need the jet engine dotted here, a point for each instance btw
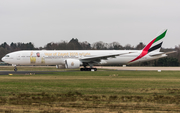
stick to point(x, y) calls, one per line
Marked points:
point(72, 63)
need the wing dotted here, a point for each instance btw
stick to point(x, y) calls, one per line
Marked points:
point(98, 58)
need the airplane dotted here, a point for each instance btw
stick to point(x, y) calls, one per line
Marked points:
point(71, 59)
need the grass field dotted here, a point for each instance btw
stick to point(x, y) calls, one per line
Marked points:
point(101, 91)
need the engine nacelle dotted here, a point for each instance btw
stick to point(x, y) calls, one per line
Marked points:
point(60, 66)
point(72, 63)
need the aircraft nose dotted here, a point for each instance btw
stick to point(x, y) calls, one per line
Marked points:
point(3, 59)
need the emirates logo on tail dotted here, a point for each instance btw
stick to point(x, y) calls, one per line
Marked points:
point(152, 46)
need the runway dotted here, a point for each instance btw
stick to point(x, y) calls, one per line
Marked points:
point(127, 68)
point(140, 68)
point(25, 72)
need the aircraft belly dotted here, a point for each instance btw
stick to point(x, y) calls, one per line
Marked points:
point(54, 61)
point(118, 60)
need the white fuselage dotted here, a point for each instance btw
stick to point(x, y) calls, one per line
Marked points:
point(58, 57)
point(71, 59)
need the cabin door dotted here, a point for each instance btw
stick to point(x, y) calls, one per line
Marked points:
point(18, 56)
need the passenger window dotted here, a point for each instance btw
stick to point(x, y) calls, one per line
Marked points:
point(7, 56)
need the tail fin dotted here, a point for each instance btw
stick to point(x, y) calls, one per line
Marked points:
point(154, 45)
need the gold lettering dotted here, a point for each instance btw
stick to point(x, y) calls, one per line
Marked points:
point(59, 54)
point(48, 54)
point(54, 54)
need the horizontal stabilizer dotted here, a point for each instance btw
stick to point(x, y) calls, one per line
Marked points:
point(164, 53)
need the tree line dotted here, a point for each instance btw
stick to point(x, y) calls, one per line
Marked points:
point(74, 44)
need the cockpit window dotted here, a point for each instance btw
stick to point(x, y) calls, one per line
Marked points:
point(7, 56)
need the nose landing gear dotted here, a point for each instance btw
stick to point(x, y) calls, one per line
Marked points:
point(15, 69)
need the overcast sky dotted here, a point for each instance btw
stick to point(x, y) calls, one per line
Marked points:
point(123, 21)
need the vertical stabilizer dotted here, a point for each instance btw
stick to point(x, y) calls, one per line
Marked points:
point(154, 45)
point(157, 42)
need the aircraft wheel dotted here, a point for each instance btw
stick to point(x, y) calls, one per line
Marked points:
point(82, 69)
point(88, 69)
point(95, 69)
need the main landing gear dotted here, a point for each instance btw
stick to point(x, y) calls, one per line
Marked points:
point(88, 69)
